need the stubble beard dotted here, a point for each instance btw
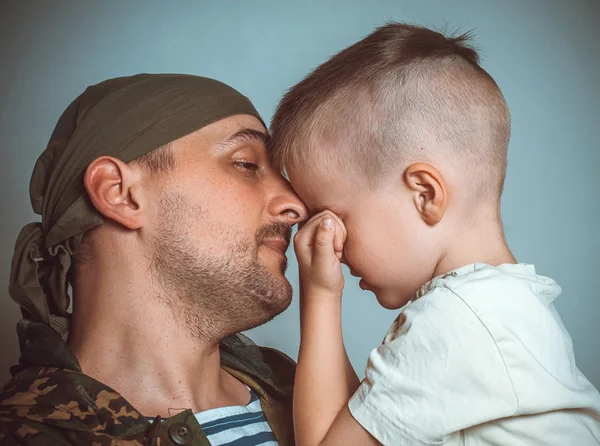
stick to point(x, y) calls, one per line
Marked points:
point(214, 294)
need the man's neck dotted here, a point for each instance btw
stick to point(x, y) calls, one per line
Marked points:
point(129, 339)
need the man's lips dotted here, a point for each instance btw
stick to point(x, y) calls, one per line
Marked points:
point(278, 244)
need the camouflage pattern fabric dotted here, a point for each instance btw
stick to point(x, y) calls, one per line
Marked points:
point(48, 405)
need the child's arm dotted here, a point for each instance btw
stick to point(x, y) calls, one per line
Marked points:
point(325, 380)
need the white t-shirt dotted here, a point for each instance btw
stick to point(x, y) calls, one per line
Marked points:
point(479, 357)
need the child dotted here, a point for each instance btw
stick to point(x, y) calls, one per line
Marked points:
point(401, 141)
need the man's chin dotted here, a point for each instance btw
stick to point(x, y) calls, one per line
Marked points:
point(271, 306)
point(281, 299)
point(274, 261)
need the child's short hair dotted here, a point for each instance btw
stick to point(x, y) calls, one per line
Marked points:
point(404, 93)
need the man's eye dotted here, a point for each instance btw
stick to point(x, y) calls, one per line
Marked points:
point(250, 167)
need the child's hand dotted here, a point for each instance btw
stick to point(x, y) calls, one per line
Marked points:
point(319, 245)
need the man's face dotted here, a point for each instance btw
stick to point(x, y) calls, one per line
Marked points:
point(222, 224)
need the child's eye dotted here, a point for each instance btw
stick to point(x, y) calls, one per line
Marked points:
point(245, 165)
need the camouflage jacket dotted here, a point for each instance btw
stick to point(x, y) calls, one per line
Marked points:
point(49, 401)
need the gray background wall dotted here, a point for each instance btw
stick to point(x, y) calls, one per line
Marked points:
point(543, 53)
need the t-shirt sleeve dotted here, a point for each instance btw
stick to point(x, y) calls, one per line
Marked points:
point(441, 372)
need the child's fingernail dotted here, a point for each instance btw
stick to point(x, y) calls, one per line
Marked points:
point(327, 222)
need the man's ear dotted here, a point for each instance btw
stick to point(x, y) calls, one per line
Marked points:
point(114, 188)
point(430, 194)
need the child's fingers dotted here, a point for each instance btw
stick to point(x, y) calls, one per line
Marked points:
point(302, 245)
point(340, 237)
point(323, 247)
point(305, 237)
point(304, 240)
point(340, 230)
point(318, 260)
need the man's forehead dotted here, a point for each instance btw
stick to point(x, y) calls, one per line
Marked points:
point(243, 135)
point(227, 133)
point(227, 128)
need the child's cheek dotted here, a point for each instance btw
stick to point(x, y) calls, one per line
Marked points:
point(351, 257)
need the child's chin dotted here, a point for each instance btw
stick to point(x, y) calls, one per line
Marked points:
point(391, 300)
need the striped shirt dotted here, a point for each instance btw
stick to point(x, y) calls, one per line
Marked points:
point(237, 425)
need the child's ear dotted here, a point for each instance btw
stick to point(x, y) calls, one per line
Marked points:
point(114, 188)
point(429, 191)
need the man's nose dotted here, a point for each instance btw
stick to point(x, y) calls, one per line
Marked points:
point(287, 204)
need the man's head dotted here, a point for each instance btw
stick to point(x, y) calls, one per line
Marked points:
point(169, 179)
point(212, 216)
point(394, 133)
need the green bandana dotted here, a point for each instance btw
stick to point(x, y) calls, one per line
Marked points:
point(125, 118)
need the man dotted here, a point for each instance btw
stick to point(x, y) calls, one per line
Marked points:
point(161, 209)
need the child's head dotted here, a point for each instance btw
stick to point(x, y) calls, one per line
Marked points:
point(405, 137)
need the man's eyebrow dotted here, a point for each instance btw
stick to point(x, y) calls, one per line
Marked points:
point(243, 136)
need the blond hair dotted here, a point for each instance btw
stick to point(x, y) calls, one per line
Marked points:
point(403, 94)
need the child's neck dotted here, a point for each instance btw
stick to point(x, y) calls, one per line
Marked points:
point(483, 243)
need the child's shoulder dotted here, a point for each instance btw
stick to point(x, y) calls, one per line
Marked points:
point(509, 285)
point(506, 307)
point(510, 305)
point(506, 298)
point(488, 342)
